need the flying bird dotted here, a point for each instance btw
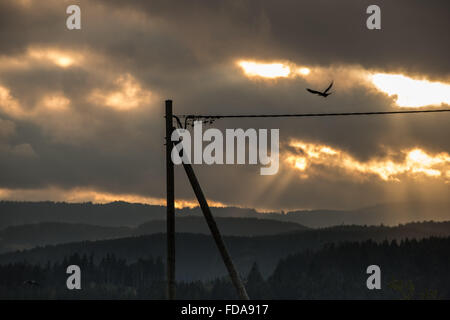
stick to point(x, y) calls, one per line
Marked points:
point(324, 93)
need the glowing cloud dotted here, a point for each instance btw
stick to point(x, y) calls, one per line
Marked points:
point(55, 101)
point(415, 162)
point(407, 91)
point(60, 58)
point(304, 71)
point(129, 94)
point(411, 92)
point(89, 195)
point(9, 104)
point(265, 70)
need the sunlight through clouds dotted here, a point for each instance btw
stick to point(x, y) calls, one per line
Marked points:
point(412, 92)
point(56, 101)
point(415, 162)
point(265, 70)
point(272, 70)
point(8, 104)
point(407, 91)
point(79, 195)
point(58, 57)
point(35, 57)
point(129, 94)
point(304, 71)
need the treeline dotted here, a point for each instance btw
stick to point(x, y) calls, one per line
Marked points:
point(410, 269)
point(111, 278)
point(198, 258)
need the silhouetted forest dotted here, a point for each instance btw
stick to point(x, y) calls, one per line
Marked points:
point(410, 269)
point(198, 258)
point(109, 278)
point(31, 235)
point(278, 259)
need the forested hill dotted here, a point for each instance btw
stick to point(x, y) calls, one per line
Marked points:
point(44, 233)
point(114, 214)
point(409, 269)
point(123, 214)
point(197, 256)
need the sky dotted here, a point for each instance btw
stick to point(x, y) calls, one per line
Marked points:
point(81, 111)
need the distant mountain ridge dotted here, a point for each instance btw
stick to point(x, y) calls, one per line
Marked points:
point(228, 226)
point(114, 214)
point(123, 214)
point(44, 233)
point(386, 214)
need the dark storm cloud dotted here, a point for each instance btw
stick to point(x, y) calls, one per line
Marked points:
point(186, 50)
point(200, 32)
point(21, 25)
point(412, 38)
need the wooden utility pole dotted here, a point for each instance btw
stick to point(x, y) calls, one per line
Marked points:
point(237, 282)
point(170, 204)
point(215, 232)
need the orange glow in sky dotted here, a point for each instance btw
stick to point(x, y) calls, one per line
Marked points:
point(265, 70)
point(412, 92)
point(128, 95)
point(60, 58)
point(78, 195)
point(415, 162)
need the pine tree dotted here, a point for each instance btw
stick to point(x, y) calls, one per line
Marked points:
point(256, 286)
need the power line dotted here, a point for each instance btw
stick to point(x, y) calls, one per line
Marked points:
point(298, 115)
point(310, 114)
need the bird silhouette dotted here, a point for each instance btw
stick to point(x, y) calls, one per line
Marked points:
point(323, 93)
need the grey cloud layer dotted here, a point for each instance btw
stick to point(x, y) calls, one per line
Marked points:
point(186, 50)
point(412, 38)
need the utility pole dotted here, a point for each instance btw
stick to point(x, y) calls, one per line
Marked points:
point(237, 282)
point(170, 218)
